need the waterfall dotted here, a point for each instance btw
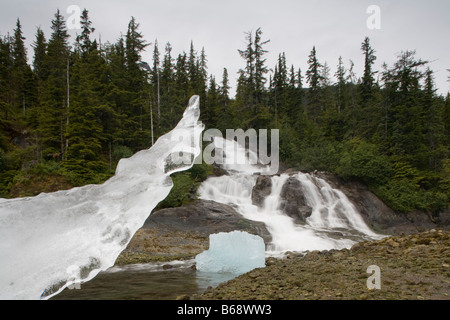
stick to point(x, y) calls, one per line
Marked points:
point(334, 223)
point(54, 240)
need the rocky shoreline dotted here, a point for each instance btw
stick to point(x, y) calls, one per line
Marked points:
point(182, 233)
point(412, 267)
point(414, 263)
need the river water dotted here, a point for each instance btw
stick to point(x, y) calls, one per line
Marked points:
point(152, 281)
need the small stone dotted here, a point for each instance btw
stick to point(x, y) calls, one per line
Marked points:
point(407, 251)
point(363, 296)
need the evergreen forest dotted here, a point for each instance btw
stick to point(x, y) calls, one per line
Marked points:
point(68, 116)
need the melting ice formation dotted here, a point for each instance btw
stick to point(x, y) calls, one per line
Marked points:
point(234, 252)
point(54, 240)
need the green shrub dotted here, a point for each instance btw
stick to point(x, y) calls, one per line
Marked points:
point(362, 160)
point(180, 192)
point(401, 195)
point(185, 185)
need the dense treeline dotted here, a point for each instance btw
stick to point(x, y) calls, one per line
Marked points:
point(68, 118)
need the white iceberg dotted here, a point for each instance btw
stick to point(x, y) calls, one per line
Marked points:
point(234, 252)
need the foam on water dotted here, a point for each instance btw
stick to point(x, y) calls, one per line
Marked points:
point(334, 223)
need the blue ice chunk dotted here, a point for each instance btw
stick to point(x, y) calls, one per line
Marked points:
point(232, 252)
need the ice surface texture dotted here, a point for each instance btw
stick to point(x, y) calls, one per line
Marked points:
point(54, 240)
point(234, 252)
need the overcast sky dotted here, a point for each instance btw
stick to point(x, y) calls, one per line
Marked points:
point(336, 28)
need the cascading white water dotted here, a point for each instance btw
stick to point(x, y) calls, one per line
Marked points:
point(331, 208)
point(53, 240)
point(334, 223)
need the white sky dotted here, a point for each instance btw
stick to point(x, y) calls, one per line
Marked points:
point(336, 28)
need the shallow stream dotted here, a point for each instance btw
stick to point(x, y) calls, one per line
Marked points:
point(153, 281)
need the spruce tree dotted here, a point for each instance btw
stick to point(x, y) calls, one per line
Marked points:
point(202, 78)
point(340, 84)
point(260, 67)
point(53, 113)
point(434, 128)
point(137, 137)
point(314, 78)
point(85, 137)
point(368, 77)
point(23, 92)
point(181, 86)
point(246, 79)
point(223, 112)
point(83, 41)
point(405, 127)
point(6, 75)
point(251, 83)
point(40, 51)
point(225, 87)
point(155, 79)
point(212, 104)
point(167, 79)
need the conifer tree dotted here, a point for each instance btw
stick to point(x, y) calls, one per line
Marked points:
point(251, 83)
point(136, 79)
point(340, 77)
point(6, 87)
point(156, 83)
point(83, 41)
point(314, 78)
point(85, 135)
point(402, 84)
point(40, 51)
point(434, 128)
point(53, 113)
point(246, 79)
point(167, 79)
point(202, 75)
point(212, 104)
point(223, 112)
point(260, 67)
point(181, 85)
point(368, 77)
point(23, 92)
point(225, 87)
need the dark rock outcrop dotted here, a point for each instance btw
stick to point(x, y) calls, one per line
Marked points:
point(292, 198)
point(293, 201)
point(205, 217)
point(379, 216)
point(183, 232)
point(261, 189)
